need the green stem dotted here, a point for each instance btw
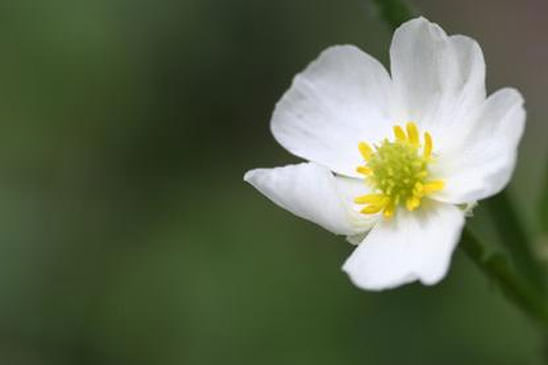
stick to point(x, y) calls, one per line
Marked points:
point(498, 269)
point(515, 239)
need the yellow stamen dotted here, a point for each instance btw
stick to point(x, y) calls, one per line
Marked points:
point(427, 145)
point(433, 186)
point(397, 172)
point(372, 209)
point(365, 150)
point(418, 189)
point(389, 211)
point(399, 133)
point(376, 199)
point(413, 133)
point(363, 170)
point(412, 203)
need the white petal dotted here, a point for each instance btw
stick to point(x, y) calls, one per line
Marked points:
point(483, 163)
point(437, 79)
point(413, 246)
point(340, 99)
point(310, 191)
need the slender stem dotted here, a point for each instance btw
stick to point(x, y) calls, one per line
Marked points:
point(515, 239)
point(498, 269)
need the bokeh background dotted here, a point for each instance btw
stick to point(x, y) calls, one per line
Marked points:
point(127, 235)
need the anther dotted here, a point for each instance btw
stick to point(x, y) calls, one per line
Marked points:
point(433, 186)
point(413, 133)
point(399, 133)
point(363, 170)
point(365, 150)
point(427, 145)
point(372, 209)
point(370, 199)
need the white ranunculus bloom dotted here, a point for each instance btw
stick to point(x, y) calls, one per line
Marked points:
point(393, 158)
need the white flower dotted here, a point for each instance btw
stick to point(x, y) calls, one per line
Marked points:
point(394, 158)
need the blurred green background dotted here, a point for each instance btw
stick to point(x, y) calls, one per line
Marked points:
point(128, 235)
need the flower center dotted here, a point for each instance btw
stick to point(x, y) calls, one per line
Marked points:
point(397, 171)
